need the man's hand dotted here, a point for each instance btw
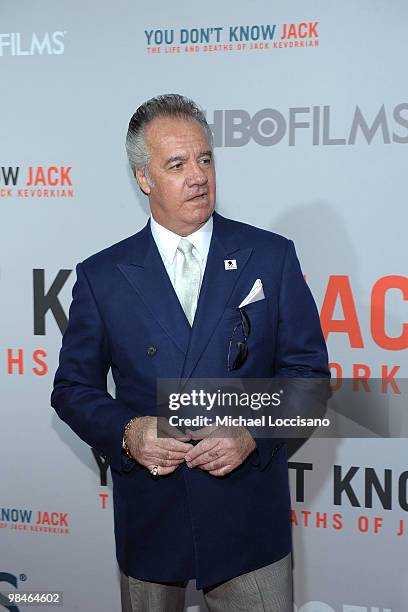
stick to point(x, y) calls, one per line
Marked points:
point(150, 450)
point(220, 455)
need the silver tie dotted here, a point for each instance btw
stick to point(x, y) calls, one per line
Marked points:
point(187, 282)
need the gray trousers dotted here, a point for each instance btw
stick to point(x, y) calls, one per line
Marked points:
point(268, 589)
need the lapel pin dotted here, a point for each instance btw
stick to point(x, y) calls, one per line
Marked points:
point(230, 264)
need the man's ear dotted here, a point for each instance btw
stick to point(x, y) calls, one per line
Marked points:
point(142, 180)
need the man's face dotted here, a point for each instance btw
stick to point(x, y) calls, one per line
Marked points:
point(181, 168)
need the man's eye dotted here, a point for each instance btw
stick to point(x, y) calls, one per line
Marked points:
point(176, 166)
point(206, 160)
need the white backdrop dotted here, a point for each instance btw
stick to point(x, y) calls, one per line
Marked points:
point(311, 123)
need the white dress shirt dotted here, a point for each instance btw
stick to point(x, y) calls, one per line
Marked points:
point(167, 243)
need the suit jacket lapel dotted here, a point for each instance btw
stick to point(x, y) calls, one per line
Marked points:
point(216, 288)
point(148, 276)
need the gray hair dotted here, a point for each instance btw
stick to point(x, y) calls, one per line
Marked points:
point(167, 105)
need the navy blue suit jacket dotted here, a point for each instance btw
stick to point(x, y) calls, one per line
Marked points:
point(188, 524)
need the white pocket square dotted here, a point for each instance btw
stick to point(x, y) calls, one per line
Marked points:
point(254, 295)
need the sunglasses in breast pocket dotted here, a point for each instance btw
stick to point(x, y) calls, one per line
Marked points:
point(238, 349)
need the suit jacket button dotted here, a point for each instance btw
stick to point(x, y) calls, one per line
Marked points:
point(152, 350)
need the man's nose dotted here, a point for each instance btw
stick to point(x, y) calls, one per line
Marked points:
point(196, 176)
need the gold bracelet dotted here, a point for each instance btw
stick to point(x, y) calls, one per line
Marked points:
point(125, 445)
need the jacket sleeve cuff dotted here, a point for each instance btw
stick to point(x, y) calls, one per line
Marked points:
point(128, 464)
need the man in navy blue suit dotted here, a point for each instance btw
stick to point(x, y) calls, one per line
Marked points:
point(164, 303)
